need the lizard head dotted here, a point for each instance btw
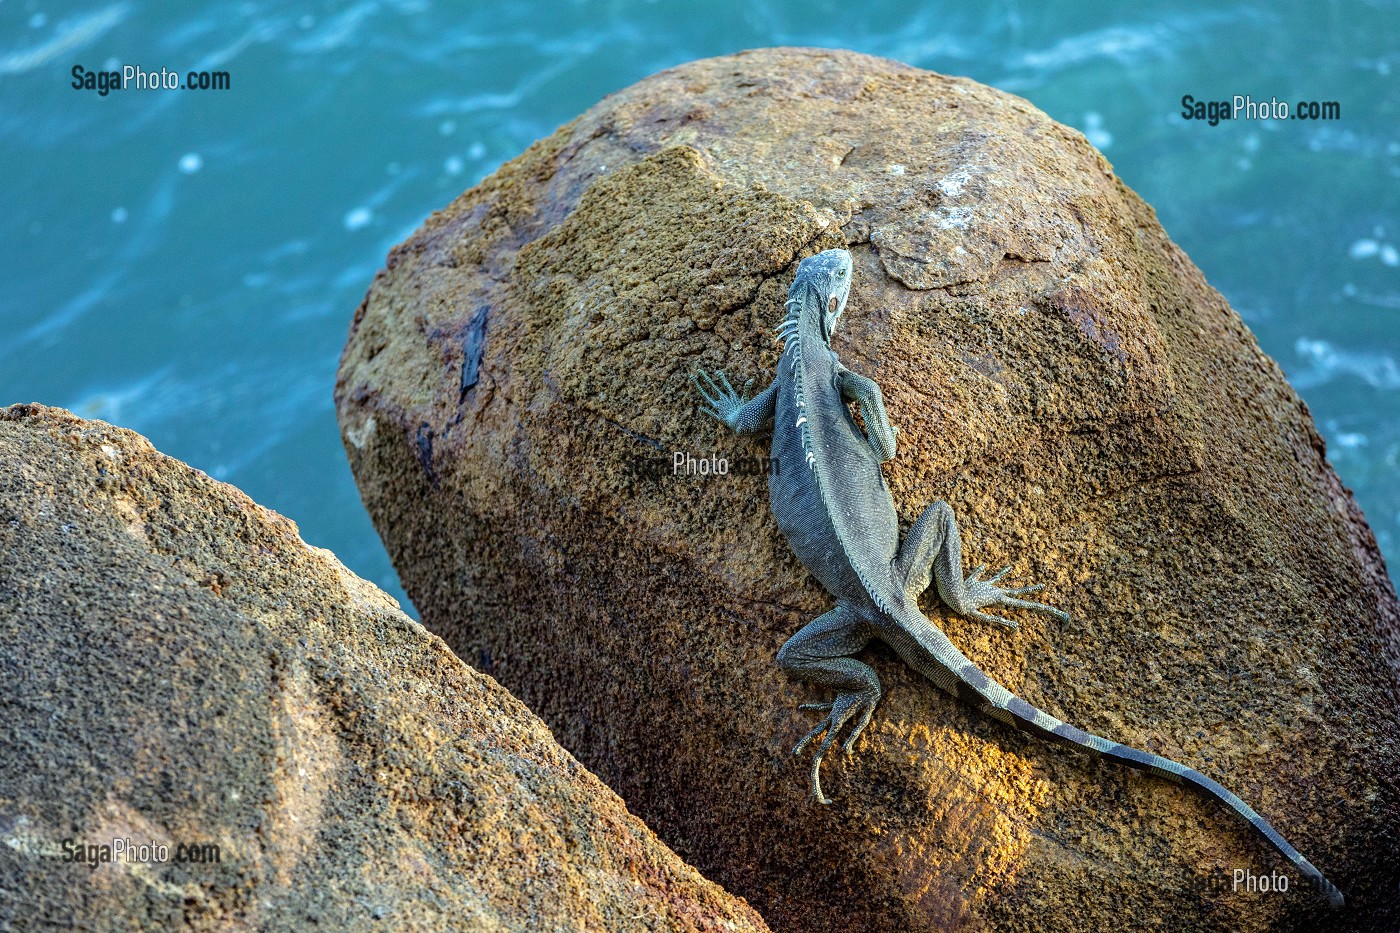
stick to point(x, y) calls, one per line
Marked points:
point(826, 278)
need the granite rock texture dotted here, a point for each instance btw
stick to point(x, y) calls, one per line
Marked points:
point(181, 668)
point(514, 390)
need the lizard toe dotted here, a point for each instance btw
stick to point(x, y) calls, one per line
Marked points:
point(986, 617)
point(1038, 607)
point(859, 727)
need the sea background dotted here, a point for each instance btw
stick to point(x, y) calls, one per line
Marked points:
point(186, 263)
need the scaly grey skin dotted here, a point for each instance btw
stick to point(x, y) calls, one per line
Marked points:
point(830, 499)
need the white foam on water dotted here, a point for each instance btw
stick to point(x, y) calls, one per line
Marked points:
point(359, 218)
point(338, 30)
point(1367, 248)
point(1095, 132)
point(154, 397)
point(1326, 363)
point(1119, 43)
point(70, 35)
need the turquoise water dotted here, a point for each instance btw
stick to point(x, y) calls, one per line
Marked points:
point(186, 263)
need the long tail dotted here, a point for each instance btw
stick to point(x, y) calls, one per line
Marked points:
point(955, 673)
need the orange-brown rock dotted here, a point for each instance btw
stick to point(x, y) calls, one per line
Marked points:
point(515, 387)
point(181, 669)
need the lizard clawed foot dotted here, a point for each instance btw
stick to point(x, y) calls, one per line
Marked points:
point(982, 593)
point(724, 401)
point(841, 711)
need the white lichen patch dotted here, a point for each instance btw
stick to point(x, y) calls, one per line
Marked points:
point(953, 218)
point(358, 436)
point(952, 185)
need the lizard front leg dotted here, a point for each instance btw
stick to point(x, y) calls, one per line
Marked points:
point(821, 653)
point(933, 549)
point(866, 393)
point(744, 416)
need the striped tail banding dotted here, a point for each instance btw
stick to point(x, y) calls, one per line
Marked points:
point(999, 703)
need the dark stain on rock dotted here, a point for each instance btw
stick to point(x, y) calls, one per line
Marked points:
point(473, 343)
point(1090, 317)
point(636, 436)
point(424, 445)
point(987, 365)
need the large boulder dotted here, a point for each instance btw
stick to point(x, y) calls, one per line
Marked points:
point(182, 671)
point(515, 387)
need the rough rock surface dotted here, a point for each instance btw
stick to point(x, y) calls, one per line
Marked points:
point(179, 667)
point(515, 386)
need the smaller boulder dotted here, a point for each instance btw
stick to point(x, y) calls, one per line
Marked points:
point(183, 673)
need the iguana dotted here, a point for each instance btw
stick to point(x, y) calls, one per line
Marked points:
point(830, 500)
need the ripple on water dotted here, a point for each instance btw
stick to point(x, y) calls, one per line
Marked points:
point(1326, 362)
point(69, 36)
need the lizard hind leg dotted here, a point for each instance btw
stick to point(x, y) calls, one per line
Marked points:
point(820, 653)
point(932, 553)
